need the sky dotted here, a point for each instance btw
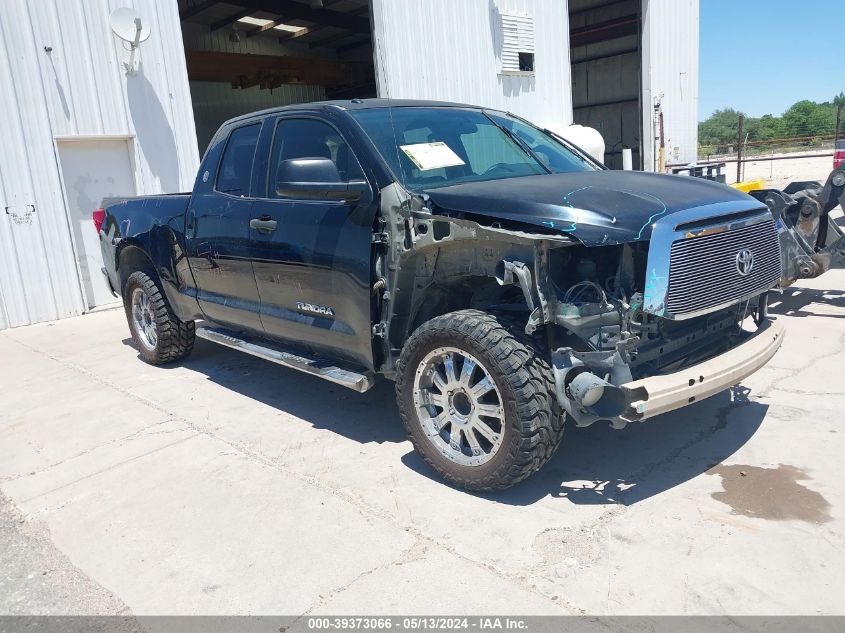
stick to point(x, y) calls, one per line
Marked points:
point(761, 56)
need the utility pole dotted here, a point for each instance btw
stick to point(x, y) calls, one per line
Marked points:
point(739, 141)
point(662, 159)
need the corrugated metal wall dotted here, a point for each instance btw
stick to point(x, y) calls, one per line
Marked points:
point(61, 67)
point(454, 56)
point(670, 68)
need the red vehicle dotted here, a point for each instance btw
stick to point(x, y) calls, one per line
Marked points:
point(839, 153)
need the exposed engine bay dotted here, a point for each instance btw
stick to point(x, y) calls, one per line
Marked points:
point(588, 302)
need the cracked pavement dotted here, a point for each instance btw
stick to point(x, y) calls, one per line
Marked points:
point(228, 485)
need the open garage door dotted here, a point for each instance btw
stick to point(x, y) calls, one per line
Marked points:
point(254, 54)
point(605, 53)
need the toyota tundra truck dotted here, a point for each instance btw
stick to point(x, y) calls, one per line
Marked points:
point(506, 281)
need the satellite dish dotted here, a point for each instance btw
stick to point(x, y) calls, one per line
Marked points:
point(127, 25)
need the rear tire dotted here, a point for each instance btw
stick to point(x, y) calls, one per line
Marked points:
point(161, 337)
point(491, 420)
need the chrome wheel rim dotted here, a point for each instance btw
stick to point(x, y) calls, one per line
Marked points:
point(143, 319)
point(459, 406)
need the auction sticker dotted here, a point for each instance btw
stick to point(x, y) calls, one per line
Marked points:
point(432, 155)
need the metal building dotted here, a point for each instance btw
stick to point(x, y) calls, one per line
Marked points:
point(75, 128)
point(79, 126)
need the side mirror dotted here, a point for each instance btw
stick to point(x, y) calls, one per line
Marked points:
point(316, 178)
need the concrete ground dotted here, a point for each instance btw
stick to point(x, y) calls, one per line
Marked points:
point(231, 485)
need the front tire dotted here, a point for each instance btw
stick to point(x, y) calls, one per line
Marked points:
point(477, 399)
point(161, 337)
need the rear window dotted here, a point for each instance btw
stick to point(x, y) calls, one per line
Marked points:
point(236, 165)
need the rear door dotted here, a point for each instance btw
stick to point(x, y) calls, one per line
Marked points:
point(219, 244)
point(313, 270)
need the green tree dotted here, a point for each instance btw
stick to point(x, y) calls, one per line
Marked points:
point(839, 102)
point(721, 128)
point(807, 118)
point(766, 128)
point(804, 118)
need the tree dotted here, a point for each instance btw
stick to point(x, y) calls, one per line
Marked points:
point(807, 118)
point(721, 128)
point(804, 118)
point(839, 102)
point(766, 128)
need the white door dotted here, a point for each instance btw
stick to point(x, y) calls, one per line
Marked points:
point(93, 170)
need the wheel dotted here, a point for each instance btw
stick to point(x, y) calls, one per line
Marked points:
point(476, 396)
point(160, 336)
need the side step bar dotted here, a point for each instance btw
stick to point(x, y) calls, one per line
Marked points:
point(310, 365)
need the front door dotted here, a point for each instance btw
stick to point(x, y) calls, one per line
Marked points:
point(218, 236)
point(313, 270)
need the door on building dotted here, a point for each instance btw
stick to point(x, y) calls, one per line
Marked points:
point(93, 169)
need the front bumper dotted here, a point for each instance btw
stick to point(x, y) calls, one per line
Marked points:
point(659, 394)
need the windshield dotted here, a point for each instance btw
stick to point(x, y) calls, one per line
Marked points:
point(435, 147)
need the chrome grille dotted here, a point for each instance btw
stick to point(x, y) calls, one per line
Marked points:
point(703, 270)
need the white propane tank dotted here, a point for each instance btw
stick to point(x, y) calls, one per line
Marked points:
point(587, 138)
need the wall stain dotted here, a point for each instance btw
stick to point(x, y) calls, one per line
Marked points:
point(770, 493)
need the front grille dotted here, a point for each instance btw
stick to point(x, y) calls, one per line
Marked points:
point(703, 270)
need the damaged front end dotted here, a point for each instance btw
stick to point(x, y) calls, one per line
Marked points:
point(634, 329)
point(654, 332)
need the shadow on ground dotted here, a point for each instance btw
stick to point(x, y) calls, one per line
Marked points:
point(600, 465)
point(365, 418)
point(795, 301)
point(595, 465)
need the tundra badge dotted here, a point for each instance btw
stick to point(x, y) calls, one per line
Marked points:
point(315, 309)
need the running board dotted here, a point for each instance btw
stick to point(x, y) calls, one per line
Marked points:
point(310, 365)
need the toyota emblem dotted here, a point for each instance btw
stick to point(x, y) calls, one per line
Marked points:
point(744, 262)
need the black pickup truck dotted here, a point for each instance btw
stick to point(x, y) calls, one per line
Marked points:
point(505, 280)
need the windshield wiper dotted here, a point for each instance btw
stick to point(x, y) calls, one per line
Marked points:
point(521, 143)
point(574, 149)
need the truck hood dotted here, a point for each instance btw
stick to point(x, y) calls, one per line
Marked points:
point(597, 208)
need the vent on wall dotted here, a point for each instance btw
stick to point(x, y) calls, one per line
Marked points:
point(517, 43)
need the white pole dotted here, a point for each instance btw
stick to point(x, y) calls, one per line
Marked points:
point(627, 159)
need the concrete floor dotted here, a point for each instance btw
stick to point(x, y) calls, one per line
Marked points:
point(231, 485)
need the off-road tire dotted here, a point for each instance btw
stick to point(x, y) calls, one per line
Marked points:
point(519, 366)
point(175, 338)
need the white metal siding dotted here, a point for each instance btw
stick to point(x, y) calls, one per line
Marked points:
point(447, 50)
point(78, 89)
point(670, 67)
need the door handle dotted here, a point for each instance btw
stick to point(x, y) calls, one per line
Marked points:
point(264, 224)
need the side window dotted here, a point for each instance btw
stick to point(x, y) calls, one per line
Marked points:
point(310, 138)
point(236, 165)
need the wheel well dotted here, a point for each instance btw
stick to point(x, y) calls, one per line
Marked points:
point(474, 292)
point(131, 259)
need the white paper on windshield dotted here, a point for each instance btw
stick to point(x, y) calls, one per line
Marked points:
point(432, 155)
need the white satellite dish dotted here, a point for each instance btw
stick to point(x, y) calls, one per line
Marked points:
point(128, 26)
